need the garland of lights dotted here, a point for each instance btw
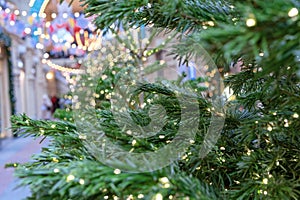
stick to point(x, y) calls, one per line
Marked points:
point(62, 69)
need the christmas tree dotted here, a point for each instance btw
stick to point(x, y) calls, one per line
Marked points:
point(242, 147)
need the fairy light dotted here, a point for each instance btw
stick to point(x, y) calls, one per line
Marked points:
point(56, 170)
point(161, 136)
point(209, 23)
point(70, 178)
point(76, 14)
point(27, 30)
point(265, 181)
point(81, 181)
point(82, 137)
point(24, 13)
point(65, 15)
point(133, 142)
point(53, 15)
point(158, 196)
point(165, 182)
point(251, 22)
point(48, 24)
point(117, 171)
point(68, 44)
point(73, 46)
point(269, 128)
point(38, 32)
point(39, 46)
point(293, 12)
point(7, 10)
point(16, 12)
point(63, 69)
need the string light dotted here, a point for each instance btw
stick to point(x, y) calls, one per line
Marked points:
point(62, 69)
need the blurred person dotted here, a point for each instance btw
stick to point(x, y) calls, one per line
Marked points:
point(55, 103)
point(46, 108)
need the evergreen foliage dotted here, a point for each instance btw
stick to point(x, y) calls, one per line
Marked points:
point(257, 154)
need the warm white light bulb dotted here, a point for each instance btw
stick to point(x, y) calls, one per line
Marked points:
point(76, 14)
point(17, 12)
point(251, 22)
point(293, 12)
point(43, 15)
point(65, 15)
point(24, 13)
point(49, 75)
point(53, 15)
point(46, 55)
point(27, 30)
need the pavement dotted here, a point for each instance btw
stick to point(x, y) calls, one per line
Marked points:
point(15, 150)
